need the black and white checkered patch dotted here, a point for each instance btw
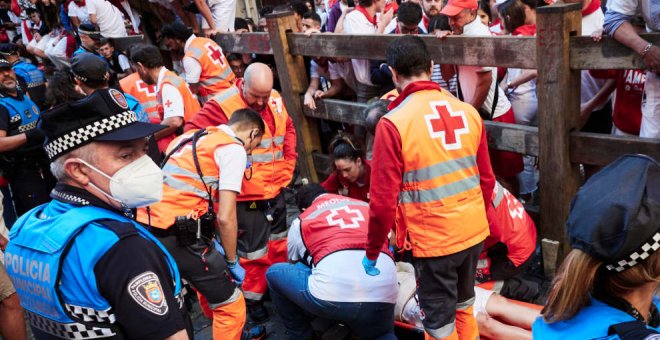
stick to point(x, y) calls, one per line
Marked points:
point(638, 256)
point(91, 315)
point(68, 330)
point(83, 135)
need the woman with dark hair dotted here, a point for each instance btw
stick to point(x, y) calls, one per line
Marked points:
point(606, 287)
point(352, 172)
point(61, 89)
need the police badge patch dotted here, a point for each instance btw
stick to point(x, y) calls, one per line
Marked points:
point(145, 289)
point(119, 98)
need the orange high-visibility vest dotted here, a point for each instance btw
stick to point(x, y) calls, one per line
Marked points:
point(270, 172)
point(183, 191)
point(390, 95)
point(144, 93)
point(190, 103)
point(216, 74)
point(441, 208)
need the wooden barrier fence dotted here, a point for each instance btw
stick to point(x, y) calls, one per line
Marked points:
point(558, 52)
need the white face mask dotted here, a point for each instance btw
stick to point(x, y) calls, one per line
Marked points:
point(136, 185)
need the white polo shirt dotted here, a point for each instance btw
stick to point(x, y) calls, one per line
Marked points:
point(172, 99)
point(108, 17)
point(340, 276)
point(468, 75)
point(357, 23)
point(192, 67)
point(231, 160)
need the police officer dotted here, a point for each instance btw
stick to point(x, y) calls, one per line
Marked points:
point(606, 287)
point(89, 39)
point(30, 77)
point(82, 268)
point(23, 161)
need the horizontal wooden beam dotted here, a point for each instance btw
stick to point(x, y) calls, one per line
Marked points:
point(518, 52)
point(599, 149)
point(258, 43)
point(606, 54)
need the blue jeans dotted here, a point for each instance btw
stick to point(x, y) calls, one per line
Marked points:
point(296, 305)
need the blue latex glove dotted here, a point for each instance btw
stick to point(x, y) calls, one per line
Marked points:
point(370, 266)
point(235, 269)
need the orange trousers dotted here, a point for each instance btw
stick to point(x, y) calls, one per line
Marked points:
point(465, 326)
point(228, 320)
point(254, 284)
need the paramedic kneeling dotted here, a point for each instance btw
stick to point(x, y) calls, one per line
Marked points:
point(328, 241)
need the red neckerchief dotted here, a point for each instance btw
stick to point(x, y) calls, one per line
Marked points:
point(366, 14)
point(525, 30)
point(426, 21)
point(413, 87)
point(593, 6)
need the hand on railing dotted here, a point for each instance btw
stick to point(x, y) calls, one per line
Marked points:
point(652, 58)
point(309, 101)
point(442, 34)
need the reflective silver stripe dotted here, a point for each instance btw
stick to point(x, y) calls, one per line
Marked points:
point(150, 103)
point(196, 52)
point(278, 236)
point(335, 205)
point(180, 185)
point(252, 295)
point(465, 304)
point(257, 254)
point(213, 80)
point(176, 81)
point(169, 168)
point(439, 169)
point(438, 193)
point(266, 157)
point(442, 332)
point(499, 195)
point(234, 296)
point(222, 96)
point(265, 142)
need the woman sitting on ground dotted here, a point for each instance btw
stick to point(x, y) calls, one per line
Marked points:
point(352, 171)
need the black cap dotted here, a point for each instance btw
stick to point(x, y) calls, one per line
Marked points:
point(102, 116)
point(87, 66)
point(615, 216)
point(4, 63)
point(90, 30)
point(8, 49)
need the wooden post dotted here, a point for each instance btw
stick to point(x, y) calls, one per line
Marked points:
point(293, 80)
point(559, 107)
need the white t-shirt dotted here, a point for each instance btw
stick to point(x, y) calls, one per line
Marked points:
point(590, 85)
point(172, 99)
point(343, 70)
point(191, 66)
point(467, 75)
point(356, 23)
point(79, 12)
point(231, 160)
point(108, 17)
point(340, 277)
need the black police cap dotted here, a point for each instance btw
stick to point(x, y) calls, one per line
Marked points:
point(102, 116)
point(615, 216)
point(8, 49)
point(89, 67)
point(90, 30)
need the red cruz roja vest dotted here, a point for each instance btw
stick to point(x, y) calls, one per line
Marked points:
point(334, 223)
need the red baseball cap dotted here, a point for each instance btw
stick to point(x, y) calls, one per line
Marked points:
point(454, 7)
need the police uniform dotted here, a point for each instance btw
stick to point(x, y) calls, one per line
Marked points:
point(91, 31)
point(26, 168)
point(613, 219)
point(33, 81)
point(83, 269)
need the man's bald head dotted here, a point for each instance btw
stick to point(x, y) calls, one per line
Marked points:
point(258, 83)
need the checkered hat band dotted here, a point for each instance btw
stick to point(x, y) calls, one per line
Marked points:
point(648, 248)
point(86, 134)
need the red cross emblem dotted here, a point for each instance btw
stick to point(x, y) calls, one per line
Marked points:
point(215, 54)
point(168, 103)
point(345, 217)
point(447, 125)
point(149, 90)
